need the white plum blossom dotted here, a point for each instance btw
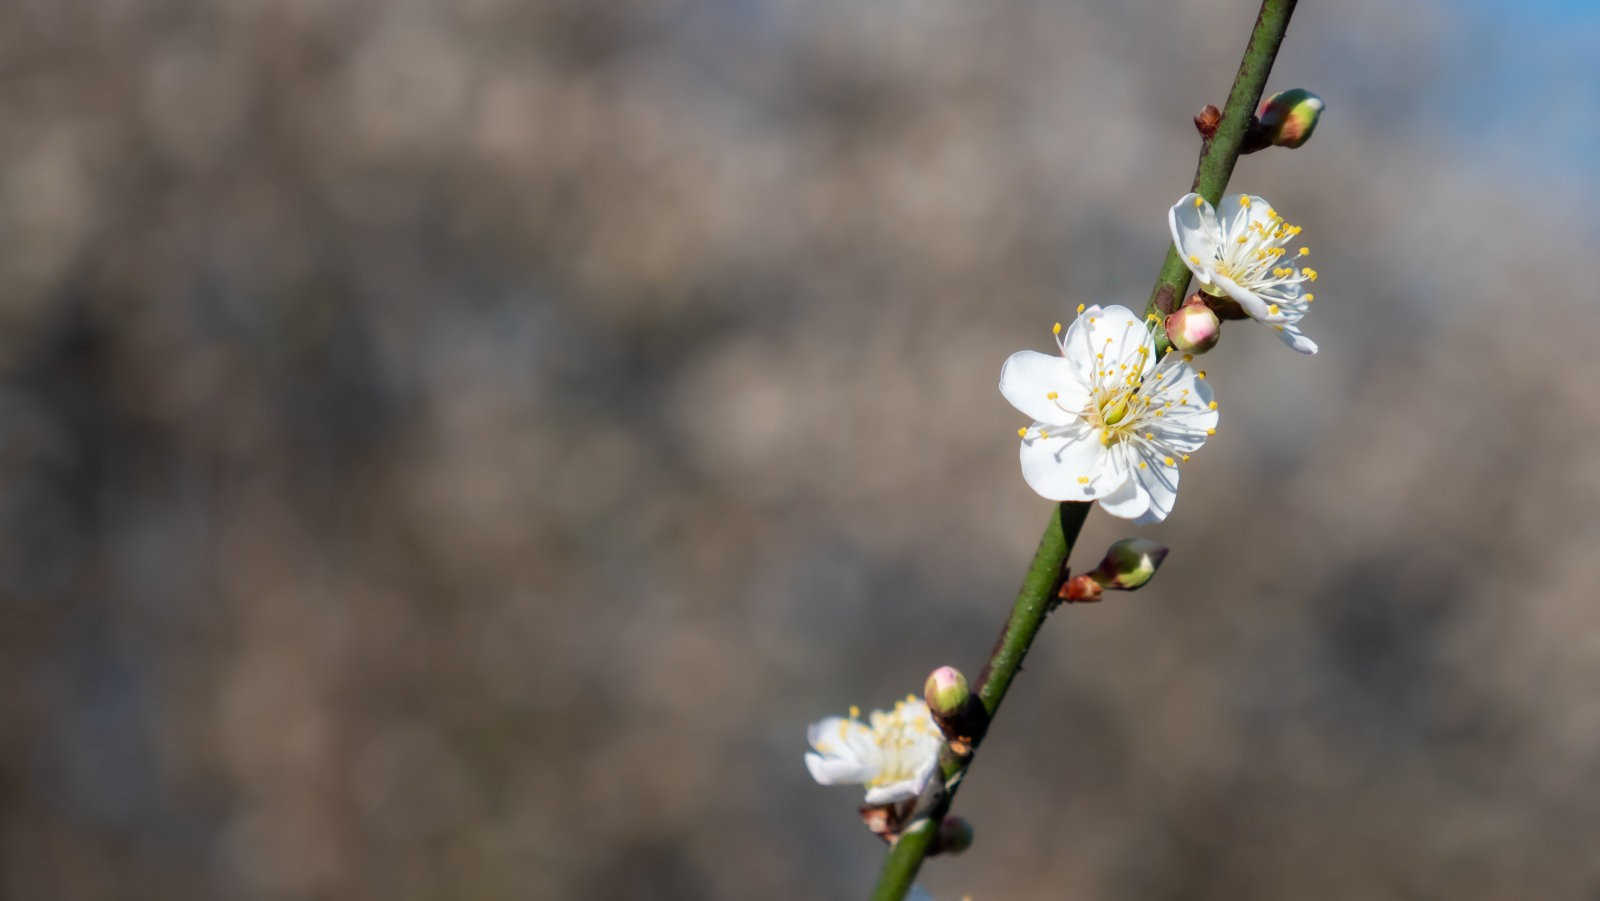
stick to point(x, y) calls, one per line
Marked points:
point(1111, 423)
point(1239, 252)
point(893, 754)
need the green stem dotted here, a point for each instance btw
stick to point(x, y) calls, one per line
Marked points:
point(1047, 571)
point(1222, 151)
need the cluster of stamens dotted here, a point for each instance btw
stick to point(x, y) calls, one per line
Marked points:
point(1253, 258)
point(898, 734)
point(1122, 403)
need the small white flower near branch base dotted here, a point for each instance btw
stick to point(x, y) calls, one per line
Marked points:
point(893, 753)
point(1240, 252)
point(1110, 422)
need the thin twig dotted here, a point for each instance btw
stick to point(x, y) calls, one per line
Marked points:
point(1047, 571)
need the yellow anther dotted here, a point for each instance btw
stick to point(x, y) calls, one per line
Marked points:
point(1211, 431)
point(1212, 405)
point(1150, 436)
point(911, 699)
point(1244, 200)
point(1310, 297)
point(1080, 308)
point(1272, 308)
point(1022, 432)
point(1185, 458)
point(1243, 238)
point(1200, 374)
point(1303, 251)
point(1052, 395)
point(1083, 480)
point(1043, 434)
point(1188, 358)
point(1143, 465)
point(1055, 329)
point(1309, 273)
point(854, 711)
point(1272, 213)
point(1199, 201)
point(1194, 259)
point(1171, 462)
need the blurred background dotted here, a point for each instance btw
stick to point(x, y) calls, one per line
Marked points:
point(451, 450)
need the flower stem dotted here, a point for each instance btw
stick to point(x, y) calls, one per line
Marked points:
point(1046, 572)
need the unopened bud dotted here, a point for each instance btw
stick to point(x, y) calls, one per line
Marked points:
point(1206, 121)
point(946, 692)
point(955, 836)
point(1289, 117)
point(1129, 564)
point(1193, 327)
point(1081, 589)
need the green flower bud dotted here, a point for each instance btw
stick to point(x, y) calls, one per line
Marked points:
point(946, 692)
point(1289, 117)
point(1194, 327)
point(1129, 564)
point(955, 836)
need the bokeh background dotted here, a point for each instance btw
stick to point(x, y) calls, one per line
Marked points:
point(451, 450)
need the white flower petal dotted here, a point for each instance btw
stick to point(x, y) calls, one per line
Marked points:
point(1028, 378)
point(1237, 217)
point(835, 770)
point(1127, 502)
point(1157, 481)
point(903, 790)
point(1296, 339)
point(1196, 234)
point(1068, 466)
point(1111, 338)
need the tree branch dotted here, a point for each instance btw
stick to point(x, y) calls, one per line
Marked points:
point(1047, 571)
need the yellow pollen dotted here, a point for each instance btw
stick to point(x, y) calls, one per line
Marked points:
point(1171, 462)
point(1309, 273)
point(1243, 238)
point(911, 699)
point(1093, 319)
point(1200, 374)
point(854, 711)
point(1310, 297)
point(1080, 308)
point(1212, 405)
point(1194, 259)
point(1188, 358)
point(1143, 465)
point(1052, 395)
point(1244, 201)
point(1150, 436)
point(1211, 431)
point(1272, 308)
point(1303, 251)
point(1055, 329)
point(1185, 458)
point(1083, 480)
point(1199, 202)
point(1022, 432)
point(1043, 434)
point(1272, 213)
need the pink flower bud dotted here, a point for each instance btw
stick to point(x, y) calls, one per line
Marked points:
point(1289, 117)
point(1193, 327)
point(946, 692)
